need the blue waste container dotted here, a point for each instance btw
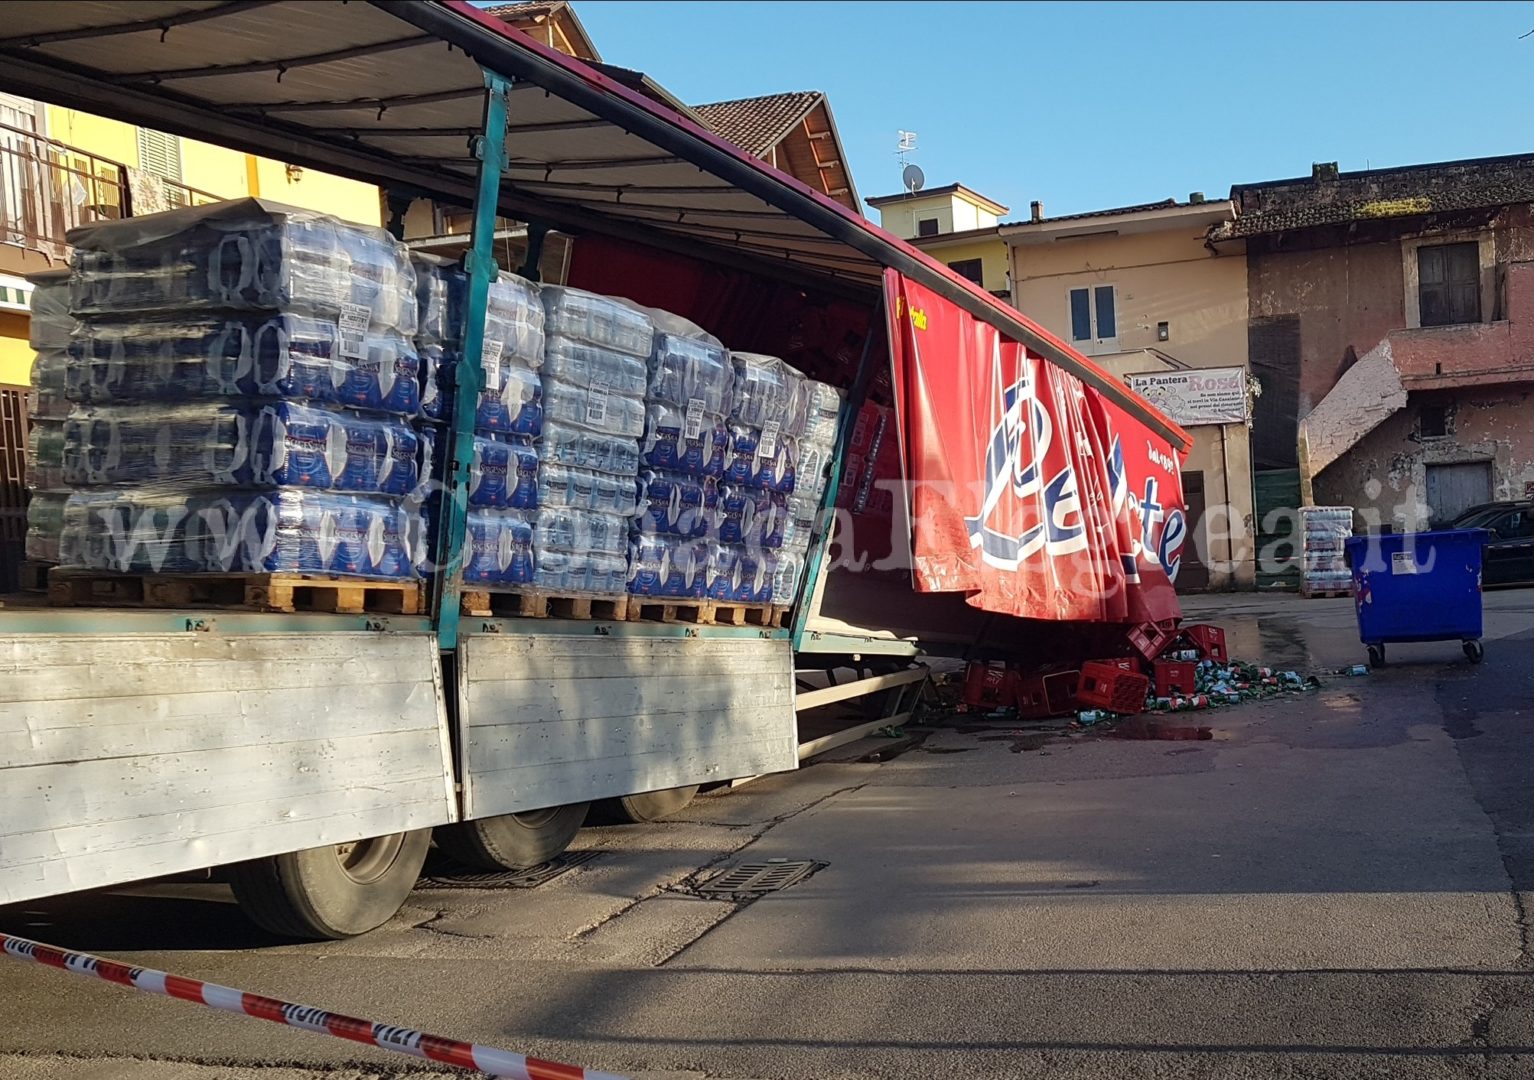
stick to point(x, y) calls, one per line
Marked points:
point(1422, 586)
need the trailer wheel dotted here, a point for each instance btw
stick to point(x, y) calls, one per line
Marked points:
point(637, 809)
point(513, 841)
point(331, 892)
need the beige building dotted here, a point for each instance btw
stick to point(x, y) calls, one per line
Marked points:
point(959, 227)
point(1140, 291)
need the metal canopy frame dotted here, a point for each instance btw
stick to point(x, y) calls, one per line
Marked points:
point(403, 70)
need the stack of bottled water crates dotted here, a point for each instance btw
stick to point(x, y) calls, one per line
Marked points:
point(818, 409)
point(47, 410)
point(508, 416)
point(243, 379)
point(682, 459)
point(761, 460)
point(594, 378)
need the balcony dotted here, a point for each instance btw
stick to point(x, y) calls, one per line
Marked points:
point(48, 187)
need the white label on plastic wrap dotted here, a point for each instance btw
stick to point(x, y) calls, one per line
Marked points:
point(490, 362)
point(596, 405)
point(354, 328)
point(767, 445)
point(1403, 562)
point(694, 424)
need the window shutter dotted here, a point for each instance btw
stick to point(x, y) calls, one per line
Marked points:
point(160, 154)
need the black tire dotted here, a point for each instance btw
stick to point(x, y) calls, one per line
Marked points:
point(513, 841)
point(332, 892)
point(1474, 651)
point(1376, 656)
point(638, 809)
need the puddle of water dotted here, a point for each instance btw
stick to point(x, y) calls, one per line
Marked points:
point(1140, 728)
point(1460, 724)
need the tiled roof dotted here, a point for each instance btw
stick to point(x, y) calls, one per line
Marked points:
point(524, 10)
point(1164, 204)
point(1409, 191)
point(758, 124)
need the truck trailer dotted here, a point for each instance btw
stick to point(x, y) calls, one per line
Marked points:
point(314, 755)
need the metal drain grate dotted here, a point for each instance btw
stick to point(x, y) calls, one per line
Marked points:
point(755, 879)
point(450, 877)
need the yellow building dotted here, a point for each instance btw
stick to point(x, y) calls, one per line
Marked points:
point(957, 226)
point(1139, 290)
point(60, 168)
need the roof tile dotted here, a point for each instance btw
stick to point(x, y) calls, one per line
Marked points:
point(758, 124)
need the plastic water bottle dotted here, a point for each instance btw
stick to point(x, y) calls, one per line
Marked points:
point(667, 566)
point(503, 474)
point(597, 320)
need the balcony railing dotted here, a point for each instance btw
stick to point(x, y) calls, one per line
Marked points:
point(48, 187)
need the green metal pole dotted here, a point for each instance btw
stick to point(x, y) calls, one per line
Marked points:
point(820, 543)
point(479, 263)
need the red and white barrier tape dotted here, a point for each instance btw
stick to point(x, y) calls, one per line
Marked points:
point(386, 1036)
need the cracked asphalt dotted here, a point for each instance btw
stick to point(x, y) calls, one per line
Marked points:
point(1333, 885)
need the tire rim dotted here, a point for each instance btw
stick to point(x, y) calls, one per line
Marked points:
point(365, 861)
point(534, 819)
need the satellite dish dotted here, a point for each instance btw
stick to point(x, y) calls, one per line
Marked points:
point(913, 178)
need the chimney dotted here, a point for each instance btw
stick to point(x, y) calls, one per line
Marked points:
point(1323, 170)
point(1036, 211)
point(1195, 198)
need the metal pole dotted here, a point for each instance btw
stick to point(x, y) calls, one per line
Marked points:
point(479, 263)
point(820, 543)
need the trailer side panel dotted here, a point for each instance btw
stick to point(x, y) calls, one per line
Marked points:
point(132, 756)
point(560, 719)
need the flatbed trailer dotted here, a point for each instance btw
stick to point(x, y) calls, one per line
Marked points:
point(314, 755)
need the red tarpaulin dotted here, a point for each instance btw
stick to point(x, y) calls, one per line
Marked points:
point(1029, 491)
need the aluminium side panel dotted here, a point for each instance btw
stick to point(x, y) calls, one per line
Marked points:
point(553, 719)
point(129, 756)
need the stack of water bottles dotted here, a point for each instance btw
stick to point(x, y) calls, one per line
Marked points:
point(593, 383)
point(243, 379)
point(682, 461)
point(818, 411)
point(47, 410)
point(508, 416)
point(765, 512)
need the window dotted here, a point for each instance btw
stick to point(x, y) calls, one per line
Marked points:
point(969, 268)
point(1094, 319)
point(1433, 421)
point(1517, 525)
point(926, 226)
point(1449, 284)
point(160, 154)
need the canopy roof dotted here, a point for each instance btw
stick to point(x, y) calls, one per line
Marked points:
point(392, 92)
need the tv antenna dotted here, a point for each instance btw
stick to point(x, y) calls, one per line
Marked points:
point(911, 176)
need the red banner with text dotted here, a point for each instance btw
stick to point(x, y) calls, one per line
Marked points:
point(1030, 491)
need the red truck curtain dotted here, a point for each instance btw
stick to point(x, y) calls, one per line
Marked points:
point(1029, 491)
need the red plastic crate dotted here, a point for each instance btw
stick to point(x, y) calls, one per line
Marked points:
point(988, 684)
point(1175, 677)
point(1149, 639)
point(1209, 640)
point(1050, 694)
point(1105, 685)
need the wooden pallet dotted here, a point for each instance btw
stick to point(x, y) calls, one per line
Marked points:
point(282, 592)
point(530, 604)
point(1323, 594)
point(706, 612)
point(34, 576)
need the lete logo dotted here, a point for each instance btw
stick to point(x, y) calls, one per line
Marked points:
point(1153, 527)
point(1016, 462)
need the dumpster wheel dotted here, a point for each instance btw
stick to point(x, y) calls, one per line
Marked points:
point(1473, 651)
point(1376, 656)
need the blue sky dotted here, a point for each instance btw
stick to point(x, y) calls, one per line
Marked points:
point(1086, 106)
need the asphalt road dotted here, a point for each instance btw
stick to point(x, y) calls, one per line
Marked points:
point(1334, 885)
